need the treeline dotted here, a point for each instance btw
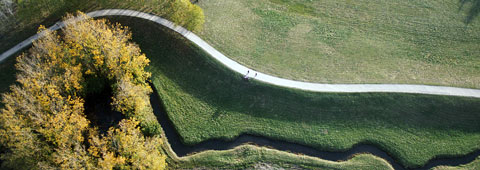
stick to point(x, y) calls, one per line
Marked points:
point(181, 12)
point(43, 124)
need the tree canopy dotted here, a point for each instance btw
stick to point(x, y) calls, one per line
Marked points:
point(43, 124)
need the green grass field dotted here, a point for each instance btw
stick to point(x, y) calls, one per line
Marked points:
point(351, 41)
point(238, 158)
point(242, 157)
point(248, 156)
point(204, 100)
point(33, 13)
point(473, 165)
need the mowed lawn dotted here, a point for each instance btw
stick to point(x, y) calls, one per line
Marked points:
point(250, 157)
point(241, 157)
point(205, 100)
point(473, 165)
point(432, 42)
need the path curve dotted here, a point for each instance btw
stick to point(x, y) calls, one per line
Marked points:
point(316, 87)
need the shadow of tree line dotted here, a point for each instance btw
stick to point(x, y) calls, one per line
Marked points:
point(473, 11)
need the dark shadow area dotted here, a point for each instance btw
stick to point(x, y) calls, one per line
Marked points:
point(7, 73)
point(224, 90)
point(2, 151)
point(194, 1)
point(181, 149)
point(99, 110)
point(206, 80)
point(25, 28)
point(473, 10)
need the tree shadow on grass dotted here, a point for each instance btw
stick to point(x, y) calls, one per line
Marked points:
point(192, 84)
point(473, 9)
point(226, 93)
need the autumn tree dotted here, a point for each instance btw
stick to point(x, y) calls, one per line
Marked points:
point(127, 147)
point(43, 125)
point(184, 13)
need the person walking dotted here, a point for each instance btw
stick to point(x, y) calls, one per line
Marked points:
point(246, 75)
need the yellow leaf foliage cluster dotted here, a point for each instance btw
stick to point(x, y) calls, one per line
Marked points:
point(184, 13)
point(133, 150)
point(43, 125)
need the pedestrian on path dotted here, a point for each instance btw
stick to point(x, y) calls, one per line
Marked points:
point(246, 76)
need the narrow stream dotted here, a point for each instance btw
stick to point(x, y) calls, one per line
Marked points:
point(215, 144)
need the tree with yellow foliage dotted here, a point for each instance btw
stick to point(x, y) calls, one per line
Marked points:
point(184, 13)
point(127, 147)
point(43, 124)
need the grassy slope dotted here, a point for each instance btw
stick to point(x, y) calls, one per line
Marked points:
point(246, 156)
point(350, 41)
point(28, 26)
point(47, 12)
point(202, 103)
point(238, 158)
point(473, 165)
point(204, 100)
point(33, 13)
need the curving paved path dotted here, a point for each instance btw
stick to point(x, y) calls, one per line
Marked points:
point(317, 87)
